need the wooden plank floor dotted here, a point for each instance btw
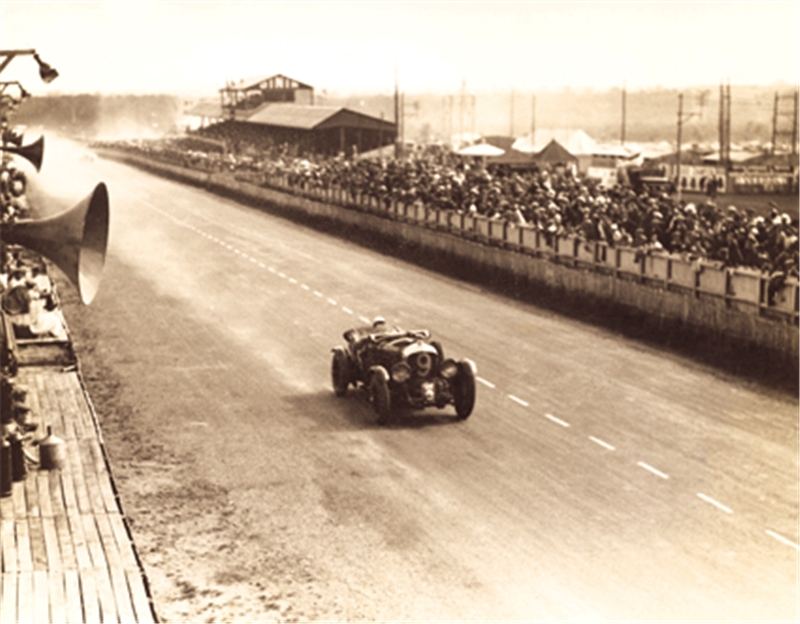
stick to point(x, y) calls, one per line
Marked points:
point(67, 555)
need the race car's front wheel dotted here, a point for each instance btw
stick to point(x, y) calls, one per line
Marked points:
point(340, 371)
point(379, 394)
point(464, 389)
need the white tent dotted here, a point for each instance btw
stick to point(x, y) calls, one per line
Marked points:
point(576, 142)
point(481, 149)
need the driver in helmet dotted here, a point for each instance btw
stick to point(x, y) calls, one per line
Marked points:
point(364, 336)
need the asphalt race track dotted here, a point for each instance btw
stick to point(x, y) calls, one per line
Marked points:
point(596, 479)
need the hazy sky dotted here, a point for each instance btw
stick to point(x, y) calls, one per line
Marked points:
point(194, 47)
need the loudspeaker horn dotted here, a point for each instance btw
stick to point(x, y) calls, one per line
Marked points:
point(32, 152)
point(74, 240)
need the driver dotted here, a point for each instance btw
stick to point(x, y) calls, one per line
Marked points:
point(363, 336)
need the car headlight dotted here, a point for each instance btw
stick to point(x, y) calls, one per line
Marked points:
point(401, 372)
point(449, 369)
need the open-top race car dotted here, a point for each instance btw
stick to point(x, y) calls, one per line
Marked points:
point(402, 368)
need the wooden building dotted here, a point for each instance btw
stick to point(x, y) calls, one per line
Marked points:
point(247, 95)
point(278, 112)
point(325, 130)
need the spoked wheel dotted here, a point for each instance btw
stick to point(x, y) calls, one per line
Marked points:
point(340, 371)
point(464, 389)
point(379, 394)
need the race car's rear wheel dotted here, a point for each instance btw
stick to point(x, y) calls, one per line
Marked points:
point(379, 394)
point(340, 371)
point(464, 389)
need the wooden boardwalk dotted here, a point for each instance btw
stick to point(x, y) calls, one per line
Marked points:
point(67, 555)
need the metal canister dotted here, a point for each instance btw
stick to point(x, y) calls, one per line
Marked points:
point(52, 452)
point(18, 468)
point(6, 484)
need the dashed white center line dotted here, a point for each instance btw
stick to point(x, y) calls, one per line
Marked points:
point(601, 443)
point(655, 471)
point(782, 539)
point(489, 384)
point(716, 504)
point(558, 421)
point(518, 400)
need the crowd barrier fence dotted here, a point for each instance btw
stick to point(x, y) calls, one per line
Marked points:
point(736, 288)
point(739, 287)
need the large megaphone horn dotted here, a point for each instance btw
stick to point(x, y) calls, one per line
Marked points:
point(74, 240)
point(32, 152)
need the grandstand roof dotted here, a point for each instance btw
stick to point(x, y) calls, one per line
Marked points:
point(273, 79)
point(293, 115)
point(305, 117)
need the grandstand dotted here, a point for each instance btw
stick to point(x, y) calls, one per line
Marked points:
point(278, 114)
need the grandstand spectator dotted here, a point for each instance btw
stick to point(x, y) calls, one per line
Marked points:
point(554, 202)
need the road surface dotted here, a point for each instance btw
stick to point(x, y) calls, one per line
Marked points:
point(596, 479)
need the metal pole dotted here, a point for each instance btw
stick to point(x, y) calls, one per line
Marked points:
point(450, 109)
point(463, 88)
point(11, 54)
point(720, 123)
point(678, 154)
point(511, 118)
point(794, 124)
point(397, 147)
point(728, 125)
point(473, 114)
point(622, 133)
point(403, 120)
point(774, 123)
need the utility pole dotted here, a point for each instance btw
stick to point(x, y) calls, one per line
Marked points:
point(398, 150)
point(775, 123)
point(724, 125)
point(678, 154)
point(622, 132)
point(681, 117)
point(533, 121)
point(794, 122)
point(450, 108)
point(463, 94)
point(511, 119)
point(473, 114)
point(402, 122)
point(777, 115)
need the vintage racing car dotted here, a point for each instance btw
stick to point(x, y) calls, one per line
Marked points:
point(402, 368)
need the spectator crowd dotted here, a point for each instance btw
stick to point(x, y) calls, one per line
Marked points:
point(557, 202)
